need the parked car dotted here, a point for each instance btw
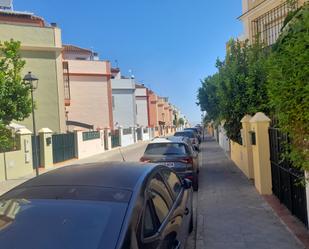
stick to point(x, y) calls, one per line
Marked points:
point(98, 206)
point(197, 133)
point(176, 153)
point(191, 135)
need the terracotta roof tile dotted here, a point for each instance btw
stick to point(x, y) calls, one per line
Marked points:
point(75, 49)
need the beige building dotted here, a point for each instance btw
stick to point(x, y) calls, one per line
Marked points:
point(88, 91)
point(41, 49)
point(263, 19)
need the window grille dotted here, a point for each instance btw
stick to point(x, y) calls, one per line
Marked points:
point(66, 80)
point(267, 28)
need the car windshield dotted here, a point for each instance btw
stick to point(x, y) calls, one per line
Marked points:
point(166, 149)
point(188, 134)
point(191, 129)
point(62, 217)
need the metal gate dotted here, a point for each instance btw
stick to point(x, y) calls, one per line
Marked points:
point(63, 147)
point(115, 138)
point(36, 151)
point(286, 180)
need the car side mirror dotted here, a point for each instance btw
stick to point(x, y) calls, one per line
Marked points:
point(187, 184)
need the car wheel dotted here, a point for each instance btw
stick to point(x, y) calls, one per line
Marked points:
point(191, 223)
point(195, 183)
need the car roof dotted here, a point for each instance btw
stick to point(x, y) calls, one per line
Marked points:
point(118, 175)
point(171, 139)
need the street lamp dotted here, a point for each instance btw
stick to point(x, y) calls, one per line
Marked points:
point(32, 82)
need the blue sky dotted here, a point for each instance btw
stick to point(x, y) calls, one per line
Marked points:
point(170, 45)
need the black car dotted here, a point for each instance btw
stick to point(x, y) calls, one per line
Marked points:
point(197, 133)
point(98, 206)
point(195, 140)
point(176, 153)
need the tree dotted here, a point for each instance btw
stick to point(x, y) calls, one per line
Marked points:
point(288, 85)
point(238, 88)
point(181, 121)
point(15, 102)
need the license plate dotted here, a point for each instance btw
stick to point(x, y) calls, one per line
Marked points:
point(169, 164)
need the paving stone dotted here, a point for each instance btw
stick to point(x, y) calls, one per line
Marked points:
point(231, 212)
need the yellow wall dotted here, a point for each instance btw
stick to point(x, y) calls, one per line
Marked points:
point(17, 163)
point(239, 157)
point(2, 170)
point(41, 49)
point(16, 166)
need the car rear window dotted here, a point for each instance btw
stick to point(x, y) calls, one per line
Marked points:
point(68, 222)
point(166, 149)
point(188, 134)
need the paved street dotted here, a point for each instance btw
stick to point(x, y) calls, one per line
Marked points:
point(231, 214)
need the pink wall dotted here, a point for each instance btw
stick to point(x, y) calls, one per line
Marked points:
point(153, 109)
point(89, 100)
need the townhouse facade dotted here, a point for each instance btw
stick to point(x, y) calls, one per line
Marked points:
point(88, 94)
point(123, 100)
point(153, 109)
point(41, 47)
point(142, 108)
point(263, 19)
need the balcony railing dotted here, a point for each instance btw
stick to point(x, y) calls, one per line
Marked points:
point(267, 27)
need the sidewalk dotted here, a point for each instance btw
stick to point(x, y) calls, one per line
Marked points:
point(230, 212)
point(131, 153)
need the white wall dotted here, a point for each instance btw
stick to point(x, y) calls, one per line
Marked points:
point(127, 140)
point(142, 106)
point(146, 136)
point(224, 141)
point(89, 147)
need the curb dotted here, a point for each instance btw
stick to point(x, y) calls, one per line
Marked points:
point(199, 238)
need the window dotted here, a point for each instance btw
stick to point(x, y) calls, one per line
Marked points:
point(161, 208)
point(173, 181)
point(149, 224)
point(267, 27)
point(160, 197)
point(166, 149)
point(184, 134)
point(113, 102)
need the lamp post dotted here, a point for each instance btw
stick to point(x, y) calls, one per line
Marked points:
point(32, 82)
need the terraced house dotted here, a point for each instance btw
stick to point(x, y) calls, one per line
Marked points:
point(88, 94)
point(41, 47)
point(263, 19)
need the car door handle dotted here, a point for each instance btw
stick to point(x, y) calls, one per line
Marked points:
point(186, 211)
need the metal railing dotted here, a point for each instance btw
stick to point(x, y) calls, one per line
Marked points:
point(90, 135)
point(267, 27)
point(66, 80)
point(127, 131)
point(286, 180)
